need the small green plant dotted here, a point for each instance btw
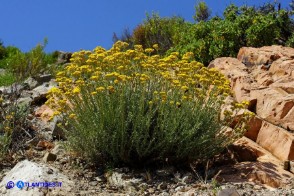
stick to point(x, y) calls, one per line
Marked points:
point(7, 79)
point(13, 124)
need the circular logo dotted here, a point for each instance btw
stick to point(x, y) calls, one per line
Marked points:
point(20, 184)
point(10, 185)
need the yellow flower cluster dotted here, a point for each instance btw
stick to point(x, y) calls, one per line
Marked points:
point(106, 71)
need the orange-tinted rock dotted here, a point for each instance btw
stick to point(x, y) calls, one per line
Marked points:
point(276, 140)
point(275, 105)
point(287, 86)
point(45, 144)
point(246, 150)
point(236, 71)
point(254, 126)
point(258, 165)
point(282, 68)
point(230, 67)
point(263, 56)
point(44, 112)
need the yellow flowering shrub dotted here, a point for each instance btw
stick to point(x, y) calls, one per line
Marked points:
point(129, 106)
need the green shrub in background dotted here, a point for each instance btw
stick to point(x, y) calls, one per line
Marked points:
point(241, 26)
point(217, 37)
point(154, 30)
point(23, 65)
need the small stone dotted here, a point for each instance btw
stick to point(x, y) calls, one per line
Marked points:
point(58, 150)
point(43, 78)
point(188, 178)
point(257, 187)
point(151, 190)
point(93, 183)
point(49, 157)
point(162, 186)
point(180, 188)
point(165, 172)
point(100, 179)
point(164, 194)
point(30, 84)
point(228, 192)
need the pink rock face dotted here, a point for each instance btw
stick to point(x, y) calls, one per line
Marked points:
point(256, 164)
point(282, 68)
point(276, 106)
point(264, 55)
point(276, 140)
point(254, 126)
point(265, 77)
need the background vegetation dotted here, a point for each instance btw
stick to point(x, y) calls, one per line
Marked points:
point(212, 37)
point(18, 65)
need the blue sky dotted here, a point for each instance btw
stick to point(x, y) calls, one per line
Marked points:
point(71, 25)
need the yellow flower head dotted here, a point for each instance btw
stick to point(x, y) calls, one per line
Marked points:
point(76, 90)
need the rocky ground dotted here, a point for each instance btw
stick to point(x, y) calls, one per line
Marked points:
point(79, 178)
point(259, 164)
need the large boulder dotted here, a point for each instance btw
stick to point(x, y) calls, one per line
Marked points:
point(275, 105)
point(265, 77)
point(256, 164)
point(276, 140)
point(265, 55)
point(29, 172)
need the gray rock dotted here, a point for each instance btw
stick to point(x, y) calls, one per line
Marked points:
point(14, 89)
point(30, 83)
point(53, 128)
point(43, 78)
point(228, 192)
point(187, 178)
point(164, 194)
point(48, 130)
point(93, 183)
point(117, 180)
point(24, 102)
point(39, 93)
point(30, 172)
point(58, 150)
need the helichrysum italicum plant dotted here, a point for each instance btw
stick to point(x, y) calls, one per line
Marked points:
point(128, 106)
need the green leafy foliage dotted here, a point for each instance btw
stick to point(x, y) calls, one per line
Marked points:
point(7, 79)
point(241, 26)
point(23, 65)
point(217, 37)
point(154, 30)
point(202, 12)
